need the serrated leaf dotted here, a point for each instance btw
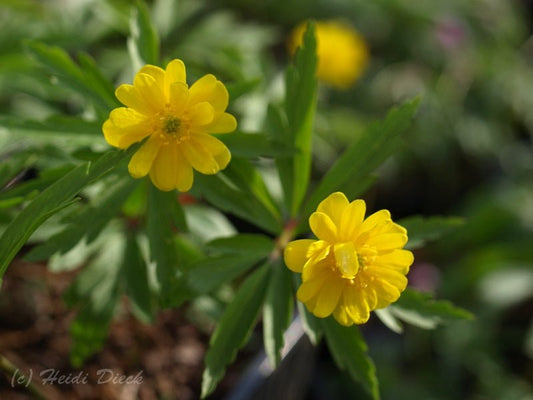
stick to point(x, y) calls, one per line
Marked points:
point(300, 106)
point(88, 224)
point(143, 43)
point(59, 63)
point(277, 311)
point(244, 175)
point(96, 289)
point(234, 328)
point(422, 310)
point(423, 229)
point(243, 243)
point(349, 350)
point(219, 192)
point(49, 201)
point(210, 273)
point(367, 153)
point(163, 212)
point(255, 145)
point(136, 281)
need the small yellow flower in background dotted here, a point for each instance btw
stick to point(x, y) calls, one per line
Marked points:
point(342, 52)
point(177, 122)
point(357, 265)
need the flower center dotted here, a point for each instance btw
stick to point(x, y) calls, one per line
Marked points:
point(172, 125)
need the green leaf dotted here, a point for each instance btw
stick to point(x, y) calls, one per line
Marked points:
point(243, 243)
point(349, 351)
point(162, 215)
point(234, 328)
point(424, 229)
point(88, 224)
point(367, 153)
point(77, 130)
point(96, 289)
point(255, 145)
point(135, 275)
point(219, 192)
point(422, 310)
point(389, 320)
point(237, 89)
point(300, 106)
point(59, 63)
point(210, 273)
point(99, 83)
point(51, 200)
point(277, 311)
point(244, 175)
point(144, 41)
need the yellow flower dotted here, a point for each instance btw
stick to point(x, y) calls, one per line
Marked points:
point(342, 53)
point(177, 122)
point(357, 265)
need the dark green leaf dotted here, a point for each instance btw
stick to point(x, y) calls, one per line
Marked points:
point(88, 224)
point(163, 208)
point(254, 145)
point(422, 230)
point(208, 274)
point(135, 276)
point(77, 129)
point(277, 310)
point(349, 351)
point(59, 63)
point(244, 175)
point(144, 41)
point(244, 243)
point(240, 88)
point(234, 328)
point(96, 290)
point(51, 200)
point(220, 192)
point(367, 153)
point(422, 310)
point(300, 105)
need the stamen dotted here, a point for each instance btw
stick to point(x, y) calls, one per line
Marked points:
point(172, 125)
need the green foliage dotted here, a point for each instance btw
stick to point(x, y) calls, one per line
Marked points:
point(234, 328)
point(300, 105)
point(422, 230)
point(277, 311)
point(349, 350)
point(51, 200)
point(143, 43)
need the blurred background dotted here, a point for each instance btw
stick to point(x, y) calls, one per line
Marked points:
point(469, 154)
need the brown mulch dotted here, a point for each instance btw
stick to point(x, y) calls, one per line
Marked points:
point(163, 360)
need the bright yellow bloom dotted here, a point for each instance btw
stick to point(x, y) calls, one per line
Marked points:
point(342, 53)
point(357, 265)
point(177, 122)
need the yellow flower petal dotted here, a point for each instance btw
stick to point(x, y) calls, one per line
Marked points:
point(130, 97)
point(155, 72)
point(150, 91)
point(309, 289)
point(201, 114)
point(125, 127)
point(164, 168)
point(398, 259)
point(175, 72)
point(333, 206)
point(356, 306)
point(295, 254)
point(374, 219)
point(323, 227)
point(215, 147)
point(341, 315)
point(141, 162)
point(328, 297)
point(200, 159)
point(184, 174)
point(202, 89)
point(387, 241)
point(224, 123)
point(351, 219)
point(178, 95)
point(219, 97)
